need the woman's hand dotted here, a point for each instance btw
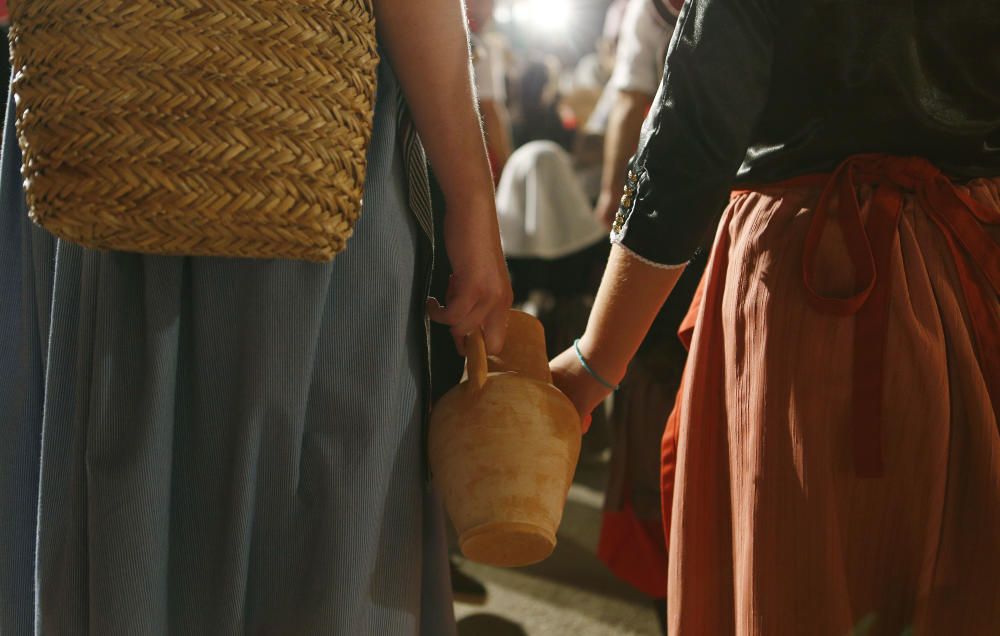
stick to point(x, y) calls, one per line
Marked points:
point(580, 387)
point(479, 293)
point(428, 47)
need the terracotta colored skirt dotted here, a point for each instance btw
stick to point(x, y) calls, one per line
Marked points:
point(838, 457)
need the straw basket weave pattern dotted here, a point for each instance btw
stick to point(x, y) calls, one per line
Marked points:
point(196, 127)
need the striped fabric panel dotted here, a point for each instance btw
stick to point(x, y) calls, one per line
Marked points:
point(415, 160)
point(419, 199)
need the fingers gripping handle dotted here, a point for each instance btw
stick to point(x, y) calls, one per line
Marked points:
point(475, 349)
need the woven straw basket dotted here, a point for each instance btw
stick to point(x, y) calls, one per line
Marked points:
point(196, 127)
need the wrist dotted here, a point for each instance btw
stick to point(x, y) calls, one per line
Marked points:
point(603, 363)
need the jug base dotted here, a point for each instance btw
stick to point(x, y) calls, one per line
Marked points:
point(507, 543)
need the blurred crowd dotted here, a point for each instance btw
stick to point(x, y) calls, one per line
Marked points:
point(561, 123)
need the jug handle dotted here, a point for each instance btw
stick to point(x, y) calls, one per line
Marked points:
point(475, 351)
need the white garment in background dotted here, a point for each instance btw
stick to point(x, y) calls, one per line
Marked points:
point(542, 209)
point(639, 58)
point(488, 70)
point(589, 73)
point(642, 49)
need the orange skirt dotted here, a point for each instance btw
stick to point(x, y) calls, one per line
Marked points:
point(838, 452)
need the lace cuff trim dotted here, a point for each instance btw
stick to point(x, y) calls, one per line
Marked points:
point(617, 240)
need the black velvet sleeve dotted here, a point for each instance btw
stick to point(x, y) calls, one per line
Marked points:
point(714, 88)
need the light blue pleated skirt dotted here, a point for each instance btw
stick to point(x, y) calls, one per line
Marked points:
point(208, 446)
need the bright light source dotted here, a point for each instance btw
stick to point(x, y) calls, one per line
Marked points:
point(521, 12)
point(550, 16)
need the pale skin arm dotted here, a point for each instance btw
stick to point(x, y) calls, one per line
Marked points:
point(631, 295)
point(428, 46)
point(620, 141)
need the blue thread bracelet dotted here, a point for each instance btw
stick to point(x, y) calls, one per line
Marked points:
point(593, 374)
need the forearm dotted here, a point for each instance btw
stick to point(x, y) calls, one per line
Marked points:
point(630, 297)
point(428, 47)
point(622, 138)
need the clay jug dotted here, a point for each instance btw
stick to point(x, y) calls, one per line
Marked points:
point(503, 449)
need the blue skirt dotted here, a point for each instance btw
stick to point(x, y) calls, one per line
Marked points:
point(217, 446)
